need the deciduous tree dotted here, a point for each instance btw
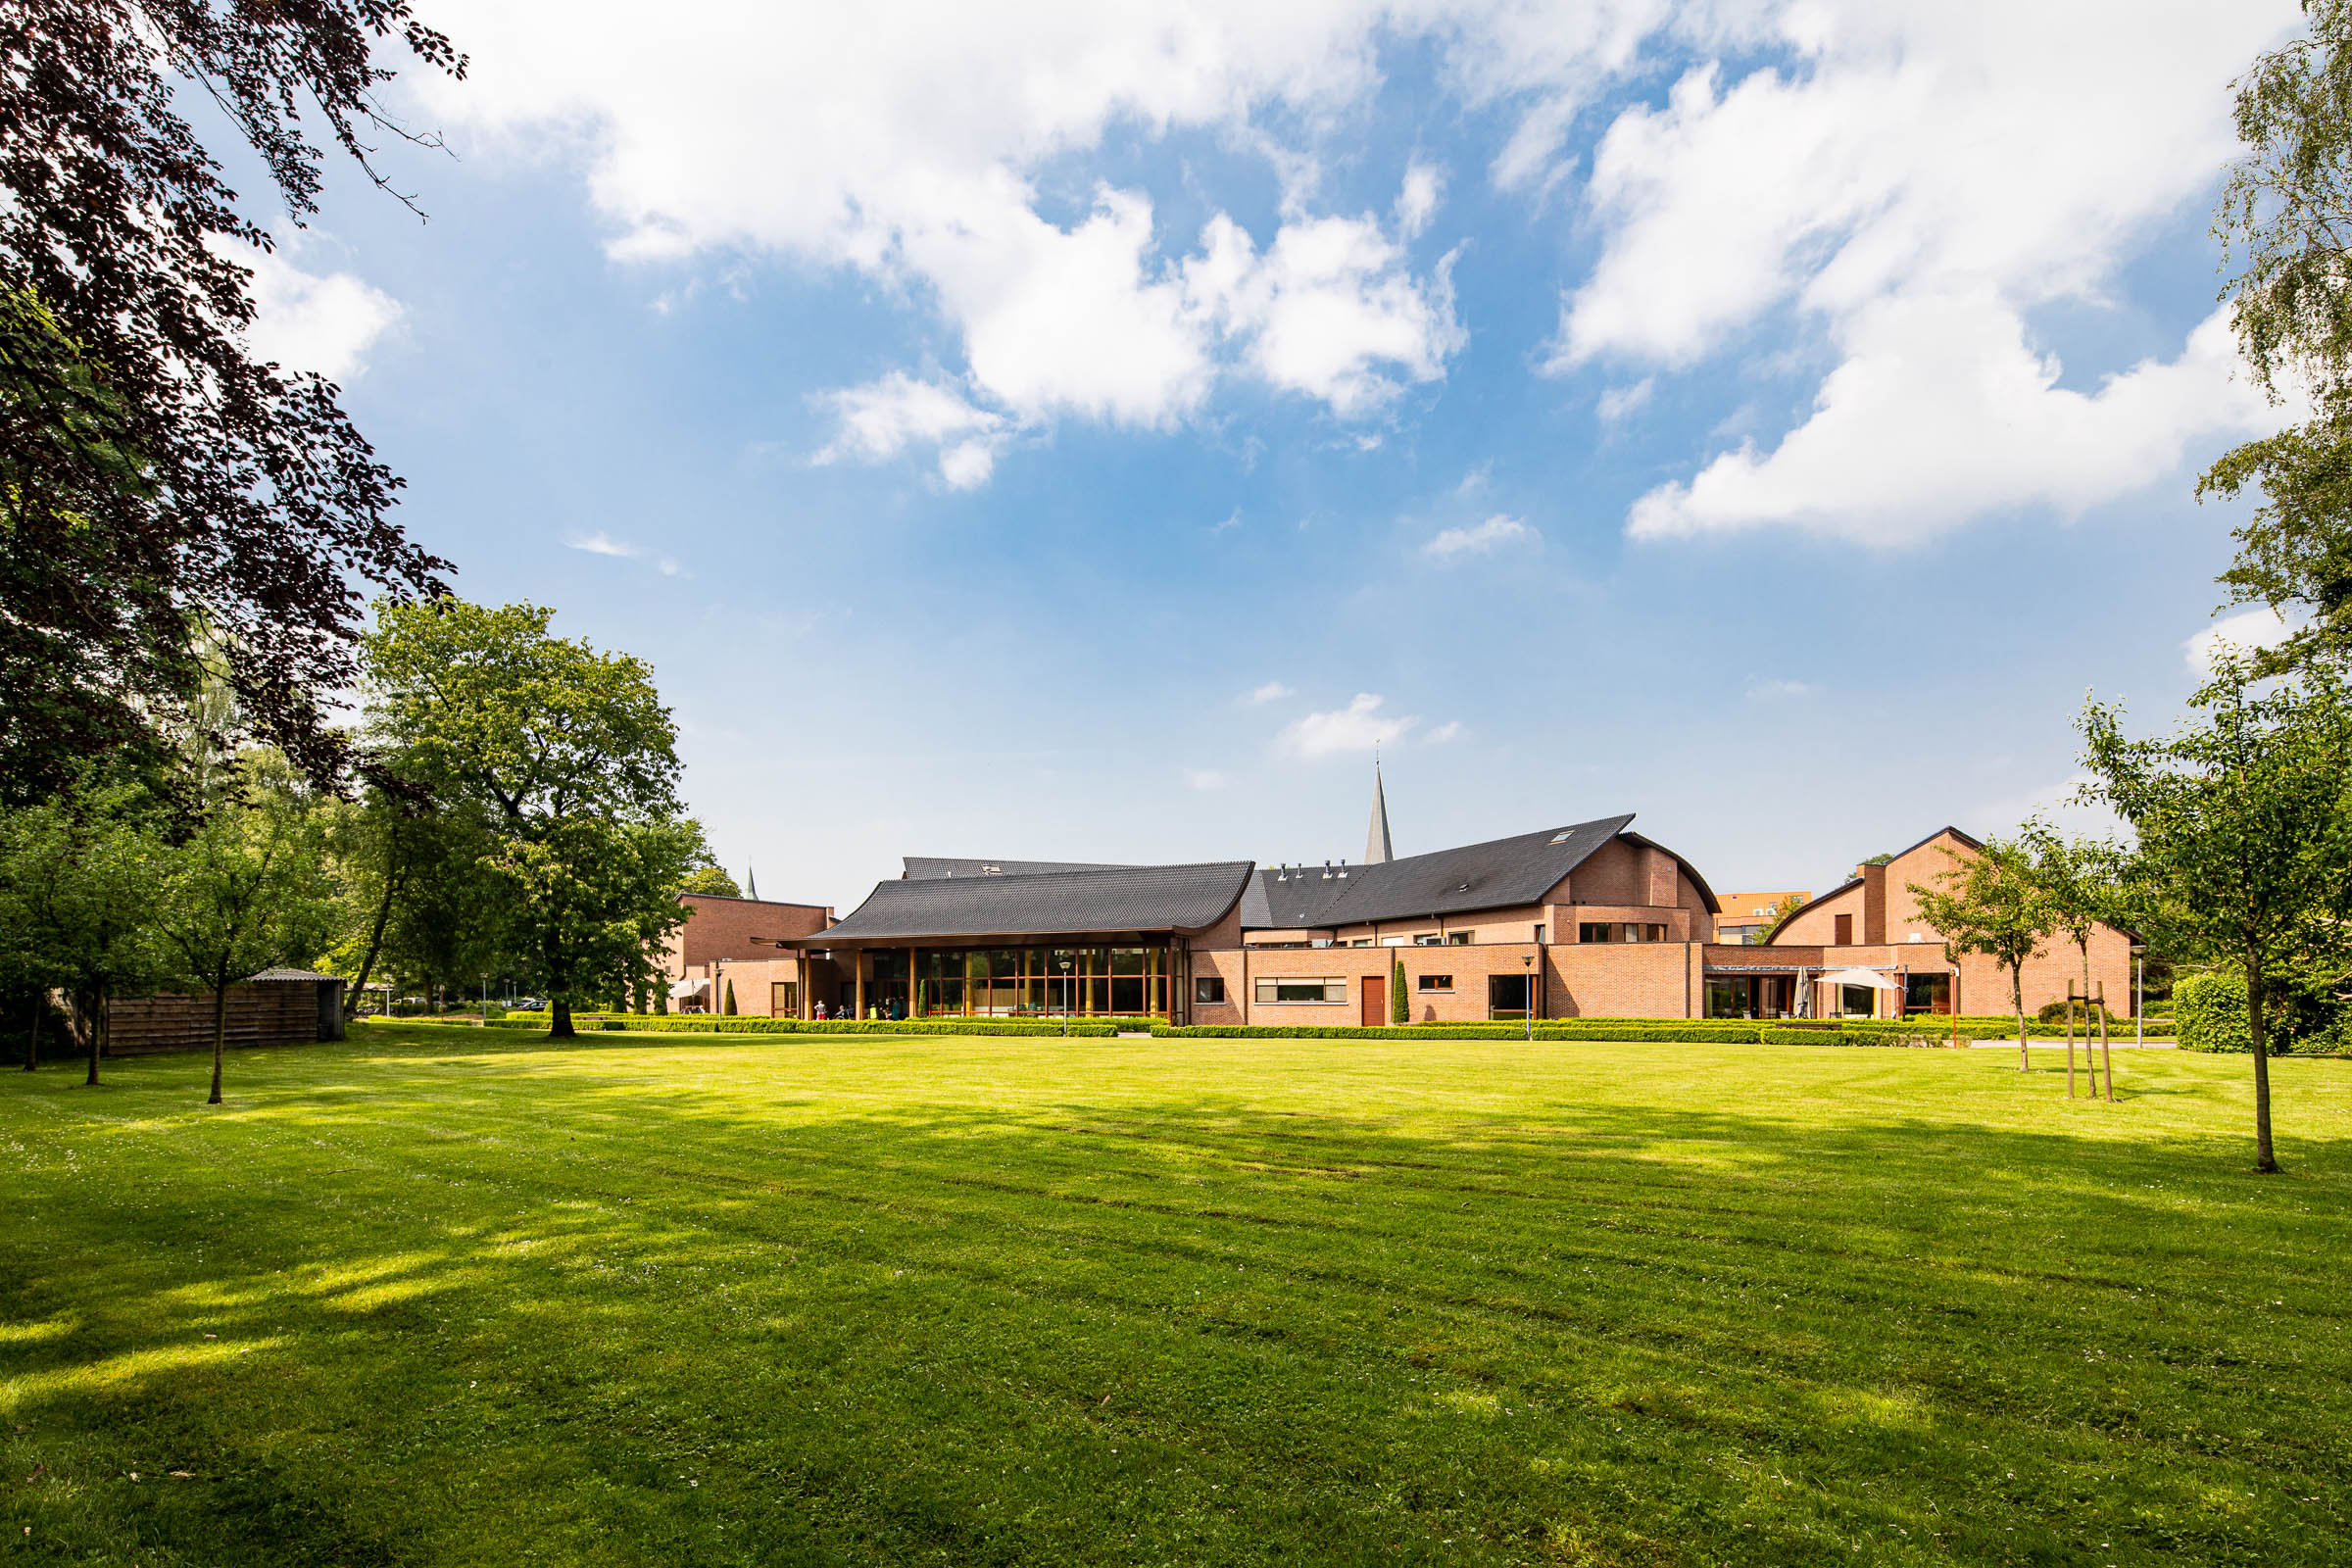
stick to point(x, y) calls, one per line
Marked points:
point(249, 891)
point(161, 482)
point(1991, 903)
point(574, 756)
point(2243, 826)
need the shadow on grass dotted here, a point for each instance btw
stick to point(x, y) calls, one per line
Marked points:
point(595, 1314)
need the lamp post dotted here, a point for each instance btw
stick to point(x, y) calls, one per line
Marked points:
point(1064, 963)
point(1528, 999)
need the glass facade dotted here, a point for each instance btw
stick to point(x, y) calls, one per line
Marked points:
point(1013, 982)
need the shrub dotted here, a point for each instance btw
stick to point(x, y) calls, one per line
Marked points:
point(2211, 1009)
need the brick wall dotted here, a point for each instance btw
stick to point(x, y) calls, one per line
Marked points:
point(724, 928)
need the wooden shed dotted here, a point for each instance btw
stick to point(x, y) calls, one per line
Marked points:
point(276, 1007)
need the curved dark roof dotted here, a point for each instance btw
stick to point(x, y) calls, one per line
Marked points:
point(1499, 874)
point(923, 868)
point(1125, 898)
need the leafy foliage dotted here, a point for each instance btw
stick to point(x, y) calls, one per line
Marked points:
point(572, 758)
point(1992, 902)
point(2212, 1013)
point(2243, 819)
point(158, 484)
point(710, 881)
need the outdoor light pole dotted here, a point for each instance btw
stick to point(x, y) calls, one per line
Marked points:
point(1528, 1001)
point(1066, 998)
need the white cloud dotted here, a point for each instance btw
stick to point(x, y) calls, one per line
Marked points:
point(903, 140)
point(1914, 183)
point(877, 421)
point(603, 544)
point(1942, 411)
point(1767, 690)
point(1417, 201)
point(1205, 778)
point(1489, 535)
point(2247, 632)
point(308, 321)
point(1451, 729)
point(1272, 691)
point(1358, 728)
point(1617, 402)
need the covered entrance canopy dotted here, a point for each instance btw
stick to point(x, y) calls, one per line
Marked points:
point(1110, 940)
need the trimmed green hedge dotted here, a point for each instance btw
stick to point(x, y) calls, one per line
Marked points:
point(2212, 1013)
point(656, 1025)
point(1693, 1032)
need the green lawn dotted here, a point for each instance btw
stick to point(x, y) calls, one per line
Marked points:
point(436, 1296)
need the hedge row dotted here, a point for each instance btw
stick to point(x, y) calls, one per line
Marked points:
point(640, 1023)
point(1727, 1034)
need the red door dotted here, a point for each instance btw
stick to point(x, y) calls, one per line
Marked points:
point(1376, 1001)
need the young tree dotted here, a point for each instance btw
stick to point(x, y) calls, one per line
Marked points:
point(2244, 821)
point(250, 891)
point(2078, 878)
point(1400, 1005)
point(1780, 916)
point(574, 756)
point(1991, 903)
point(79, 878)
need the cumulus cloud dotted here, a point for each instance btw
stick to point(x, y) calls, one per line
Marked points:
point(311, 321)
point(1944, 412)
point(2246, 632)
point(1205, 778)
point(904, 141)
point(1483, 539)
point(877, 421)
point(1895, 187)
point(1451, 729)
point(1360, 726)
point(1271, 690)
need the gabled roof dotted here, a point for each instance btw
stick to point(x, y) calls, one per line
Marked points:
point(1119, 898)
point(924, 867)
point(1501, 873)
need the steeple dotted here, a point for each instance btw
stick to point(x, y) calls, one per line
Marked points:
point(1376, 841)
point(752, 877)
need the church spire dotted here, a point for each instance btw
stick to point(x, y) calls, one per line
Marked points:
point(1376, 841)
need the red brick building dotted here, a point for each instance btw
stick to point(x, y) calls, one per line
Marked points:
point(1590, 919)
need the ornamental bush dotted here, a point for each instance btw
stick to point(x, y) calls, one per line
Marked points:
point(2210, 1012)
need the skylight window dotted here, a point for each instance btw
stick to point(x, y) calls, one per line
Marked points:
point(1561, 836)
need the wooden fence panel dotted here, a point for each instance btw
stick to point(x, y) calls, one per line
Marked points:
point(272, 1013)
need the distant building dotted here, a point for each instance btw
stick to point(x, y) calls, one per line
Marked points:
point(1586, 919)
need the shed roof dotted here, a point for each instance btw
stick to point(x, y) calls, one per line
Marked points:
point(1121, 898)
point(272, 976)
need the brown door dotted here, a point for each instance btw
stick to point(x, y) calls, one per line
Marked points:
point(1845, 931)
point(1376, 1001)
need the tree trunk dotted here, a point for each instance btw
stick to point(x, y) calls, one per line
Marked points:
point(2084, 947)
point(32, 1038)
point(2070, 1045)
point(2264, 1160)
point(558, 1019)
point(95, 1023)
point(375, 943)
point(219, 1034)
point(2106, 1058)
point(2016, 998)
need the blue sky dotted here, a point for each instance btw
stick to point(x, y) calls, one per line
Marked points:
point(1085, 432)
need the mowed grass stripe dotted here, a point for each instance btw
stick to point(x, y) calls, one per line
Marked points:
point(899, 1300)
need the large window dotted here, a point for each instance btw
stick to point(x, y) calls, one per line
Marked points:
point(1331, 988)
point(1010, 982)
point(1435, 981)
point(1927, 993)
point(784, 999)
point(1459, 939)
point(1210, 988)
point(1618, 931)
point(1506, 995)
